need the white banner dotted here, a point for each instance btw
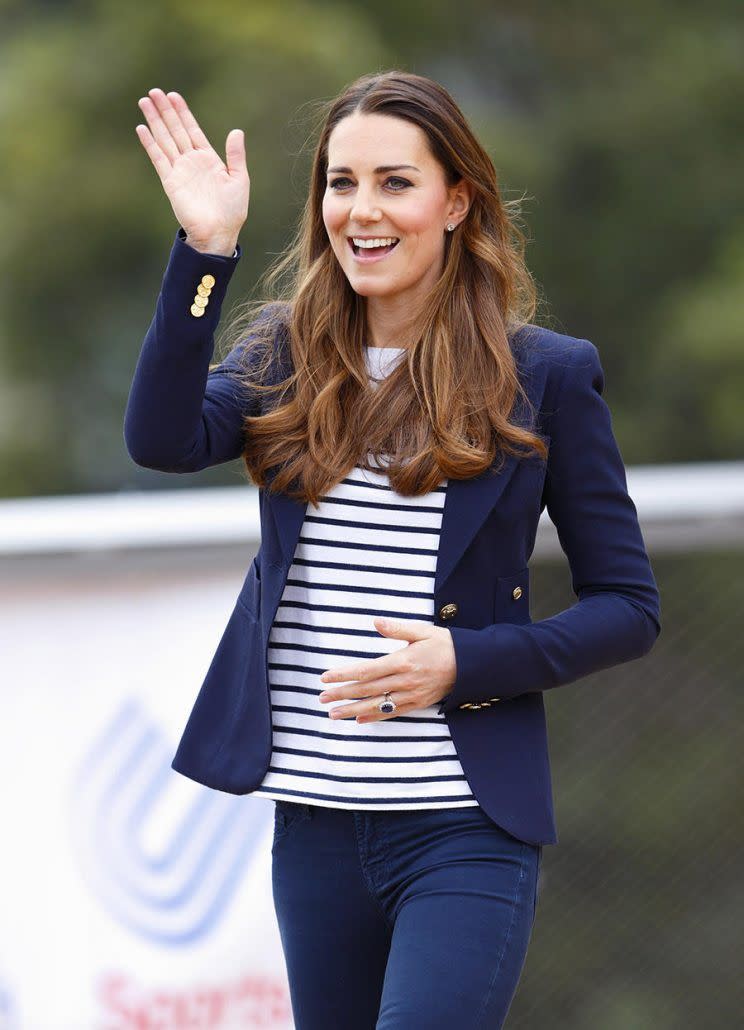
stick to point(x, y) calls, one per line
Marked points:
point(131, 897)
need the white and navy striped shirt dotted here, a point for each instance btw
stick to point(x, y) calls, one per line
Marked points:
point(365, 551)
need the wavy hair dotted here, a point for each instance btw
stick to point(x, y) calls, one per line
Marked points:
point(448, 407)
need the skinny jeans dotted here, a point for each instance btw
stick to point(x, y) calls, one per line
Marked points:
point(401, 919)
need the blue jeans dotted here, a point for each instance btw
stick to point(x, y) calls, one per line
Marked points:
point(401, 920)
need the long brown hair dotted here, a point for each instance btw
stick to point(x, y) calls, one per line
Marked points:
point(444, 410)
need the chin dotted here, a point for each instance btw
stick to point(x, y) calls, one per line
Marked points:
point(373, 289)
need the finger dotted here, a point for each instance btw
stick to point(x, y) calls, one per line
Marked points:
point(197, 137)
point(367, 710)
point(378, 716)
point(158, 128)
point(170, 116)
point(373, 688)
point(404, 629)
point(344, 712)
point(159, 159)
point(235, 152)
point(382, 666)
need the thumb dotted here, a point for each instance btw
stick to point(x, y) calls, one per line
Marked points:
point(235, 152)
point(403, 629)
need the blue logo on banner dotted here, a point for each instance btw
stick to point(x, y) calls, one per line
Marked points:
point(164, 869)
point(8, 1014)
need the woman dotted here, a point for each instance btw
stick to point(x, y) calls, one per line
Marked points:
point(406, 424)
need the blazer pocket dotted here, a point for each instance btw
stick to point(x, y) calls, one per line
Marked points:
point(513, 597)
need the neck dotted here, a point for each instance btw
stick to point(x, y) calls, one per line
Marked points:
point(389, 323)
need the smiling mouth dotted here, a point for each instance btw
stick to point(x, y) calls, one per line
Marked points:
point(367, 254)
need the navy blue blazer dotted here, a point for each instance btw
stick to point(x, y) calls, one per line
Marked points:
point(182, 417)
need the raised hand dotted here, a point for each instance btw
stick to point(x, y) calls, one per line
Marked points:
point(209, 196)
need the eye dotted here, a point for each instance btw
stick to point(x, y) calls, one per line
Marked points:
point(335, 184)
point(395, 178)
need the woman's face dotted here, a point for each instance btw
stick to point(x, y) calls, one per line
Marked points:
point(383, 183)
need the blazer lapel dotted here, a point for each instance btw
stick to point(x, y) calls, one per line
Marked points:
point(466, 507)
point(289, 515)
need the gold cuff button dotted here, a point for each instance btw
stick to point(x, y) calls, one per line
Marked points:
point(447, 611)
point(517, 593)
point(466, 705)
point(208, 281)
point(201, 302)
point(197, 311)
point(203, 290)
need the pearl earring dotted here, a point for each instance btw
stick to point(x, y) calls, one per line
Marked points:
point(450, 227)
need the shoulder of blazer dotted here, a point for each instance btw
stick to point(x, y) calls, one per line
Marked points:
point(548, 356)
point(536, 346)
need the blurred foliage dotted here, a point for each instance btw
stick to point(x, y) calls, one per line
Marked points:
point(623, 127)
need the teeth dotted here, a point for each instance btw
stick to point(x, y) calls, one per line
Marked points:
point(383, 241)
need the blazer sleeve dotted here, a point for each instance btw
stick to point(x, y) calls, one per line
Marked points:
point(182, 415)
point(617, 615)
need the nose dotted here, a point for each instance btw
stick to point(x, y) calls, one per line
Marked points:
point(363, 208)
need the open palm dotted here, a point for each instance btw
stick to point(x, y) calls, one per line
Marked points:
point(209, 196)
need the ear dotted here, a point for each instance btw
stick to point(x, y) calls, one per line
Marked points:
point(461, 197)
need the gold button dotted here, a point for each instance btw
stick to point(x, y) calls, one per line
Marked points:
point(517, 593)
point(196, 310)
point(208, 281)
point(466, 705)
point(201, 302)
point(476, 706)
point(494, 699)
point(203, 291)
point(447, 611)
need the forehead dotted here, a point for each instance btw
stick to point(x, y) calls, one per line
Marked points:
point(371, 139)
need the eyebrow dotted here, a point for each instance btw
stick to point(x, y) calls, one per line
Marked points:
point(378, 171)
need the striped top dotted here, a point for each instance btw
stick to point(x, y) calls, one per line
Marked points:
point(365, 551)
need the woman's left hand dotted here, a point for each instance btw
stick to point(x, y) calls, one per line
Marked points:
point(417, 676)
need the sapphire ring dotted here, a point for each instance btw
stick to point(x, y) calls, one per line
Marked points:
point(388, 705)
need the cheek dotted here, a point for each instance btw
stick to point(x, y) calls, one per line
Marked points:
point(426, 209)
point(420, 224)
point(426, 244)
point(332, 213)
